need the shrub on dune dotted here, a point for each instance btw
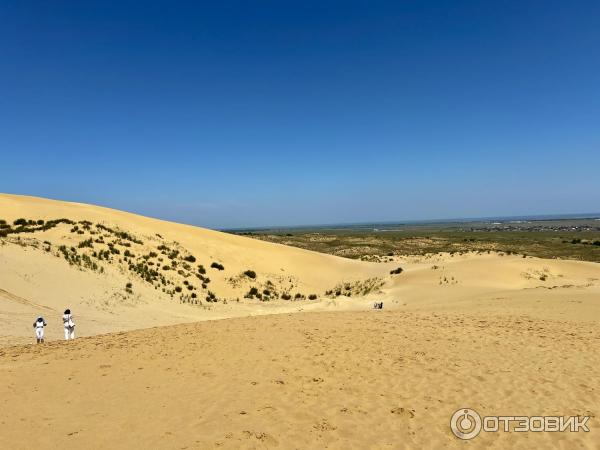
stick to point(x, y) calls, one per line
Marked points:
point(216, 265)
point(86, 243)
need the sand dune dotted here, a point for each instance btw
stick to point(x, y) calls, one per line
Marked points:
point(42, 277)
point(372, 379)
point(501, 334)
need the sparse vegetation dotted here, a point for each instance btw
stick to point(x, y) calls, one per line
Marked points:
point(250, 274)
point(253, 292)
point(579, 245)
point(86, 243)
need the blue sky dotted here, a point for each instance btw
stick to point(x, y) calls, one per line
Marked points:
point(241, 114)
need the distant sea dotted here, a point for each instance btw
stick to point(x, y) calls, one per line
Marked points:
point(431, 223)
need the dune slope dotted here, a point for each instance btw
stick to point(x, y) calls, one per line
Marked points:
point(120, 271)
point(502, 334)
point(376, 379)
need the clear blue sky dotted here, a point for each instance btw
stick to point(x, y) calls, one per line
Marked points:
point(296, 112)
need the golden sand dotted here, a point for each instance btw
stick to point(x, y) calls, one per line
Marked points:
point(504, 335)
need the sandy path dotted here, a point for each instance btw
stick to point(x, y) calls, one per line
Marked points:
point(374, 379)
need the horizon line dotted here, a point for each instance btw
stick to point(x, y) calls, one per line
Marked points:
point(532, 217)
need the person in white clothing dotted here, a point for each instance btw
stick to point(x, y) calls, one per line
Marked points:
point(69, 325)
point(39, 325)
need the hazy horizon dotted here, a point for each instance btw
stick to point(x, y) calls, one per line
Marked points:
point(412, 221)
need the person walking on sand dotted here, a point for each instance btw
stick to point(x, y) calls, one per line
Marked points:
point(39, 325)
point(69, 325)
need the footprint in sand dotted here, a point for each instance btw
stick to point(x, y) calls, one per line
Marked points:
point(403, 412)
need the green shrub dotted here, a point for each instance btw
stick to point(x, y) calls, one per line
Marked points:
point(312, 297)
point(86, 243)
point(178, 289)
point(286, 296)
point(253, 292)
point(250, 274)
point(201, 269)
point(21, 222)
point(216, 265)
point(397, 271)
point(190, 258)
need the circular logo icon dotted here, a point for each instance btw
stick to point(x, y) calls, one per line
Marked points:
point(465, 423)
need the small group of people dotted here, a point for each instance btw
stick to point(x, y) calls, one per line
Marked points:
point(68, 324)
point(378, 305)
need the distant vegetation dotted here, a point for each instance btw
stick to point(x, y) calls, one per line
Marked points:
point(370, 245)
